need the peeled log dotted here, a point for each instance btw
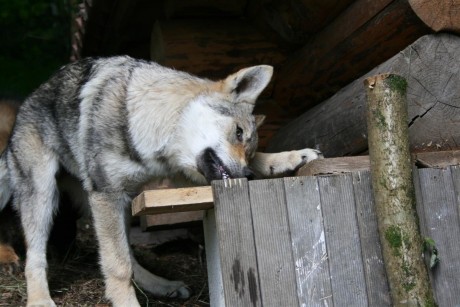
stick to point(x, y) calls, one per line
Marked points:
point(394, 193)
point(338, 126)
point(439, 15)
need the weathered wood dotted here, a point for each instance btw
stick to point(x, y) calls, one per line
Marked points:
point(440, 190)
point(240, 274)
point(378, 291)
point(440, 15)
point(274, 250)
point(393, 188)
point(308, 241)
point(216, 47)
point(338, 127)
point(342, 240)
point(435, 159)
point(334, 166)
point(163, 201)
point(366, 34)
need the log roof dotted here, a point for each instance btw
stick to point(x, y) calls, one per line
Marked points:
point(316, 46)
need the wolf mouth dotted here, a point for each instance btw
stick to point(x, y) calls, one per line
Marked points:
point(212, 167)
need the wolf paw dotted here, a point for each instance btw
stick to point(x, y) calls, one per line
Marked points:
point(309, 154)
point(181, 291)
point(9, 260)
point(298, 158)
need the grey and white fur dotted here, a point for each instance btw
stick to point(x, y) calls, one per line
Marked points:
point(116, 123)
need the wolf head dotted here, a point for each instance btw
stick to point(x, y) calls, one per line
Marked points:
point(218, 127)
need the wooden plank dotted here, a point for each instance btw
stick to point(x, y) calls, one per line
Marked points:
point(334, 166)
point(342, 240)
point(435, 159)
point(274, 251)
point(308, 241)
point(173, 200)
point(214, 269)
point(443, 226)
point(238, 259)
point(378, 291)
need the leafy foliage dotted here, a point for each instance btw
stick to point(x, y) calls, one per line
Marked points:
point(35, 41)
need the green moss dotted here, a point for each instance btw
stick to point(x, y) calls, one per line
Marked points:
point(429, 301)
point(380, 119)
point(397, 83)
point(394, 237)
point(409, 286)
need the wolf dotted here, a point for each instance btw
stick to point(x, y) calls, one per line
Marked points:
point(115, 123)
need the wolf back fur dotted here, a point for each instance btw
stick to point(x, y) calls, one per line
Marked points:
point(115, 123)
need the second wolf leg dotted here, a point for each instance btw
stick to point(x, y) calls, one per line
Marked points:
point(109, 221)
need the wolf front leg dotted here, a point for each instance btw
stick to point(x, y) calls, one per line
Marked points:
point(282, 163)
point(109, 222)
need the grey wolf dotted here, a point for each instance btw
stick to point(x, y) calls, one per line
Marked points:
point(116, 123)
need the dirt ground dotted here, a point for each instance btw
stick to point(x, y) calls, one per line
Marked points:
point(75, 278)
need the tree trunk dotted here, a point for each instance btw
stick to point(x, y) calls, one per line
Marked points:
point(391, 172)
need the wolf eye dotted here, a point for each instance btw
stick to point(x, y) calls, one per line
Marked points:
point(239, 134)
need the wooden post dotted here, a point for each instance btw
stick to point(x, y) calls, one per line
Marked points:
point(394, 194)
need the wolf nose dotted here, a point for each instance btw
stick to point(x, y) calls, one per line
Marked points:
point(248, 173)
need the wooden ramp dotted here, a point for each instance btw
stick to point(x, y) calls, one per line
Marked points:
point(313, 241)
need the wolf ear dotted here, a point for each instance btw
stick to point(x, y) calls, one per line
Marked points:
point(259, 120)
point(247, 84)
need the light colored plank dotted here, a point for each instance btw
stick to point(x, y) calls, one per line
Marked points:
point(442, 224)
point(342, 240)
point(437, 159)
point(378, 291)
point(334, 166)
point(238, 260)
point(173, 200)
point(274, 250)
point(214, 268)
point(308, 241)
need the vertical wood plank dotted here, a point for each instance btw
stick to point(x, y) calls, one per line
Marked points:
point(378, 291)
point(215, 283)
point(236, 243)
point(308, 241)
point(274, 253)
point(342, 240)
point(440, 200)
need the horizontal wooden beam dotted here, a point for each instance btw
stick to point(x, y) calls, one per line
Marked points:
point(173, 200)
point(364, 35)
point(201, 198)
point(337, 126)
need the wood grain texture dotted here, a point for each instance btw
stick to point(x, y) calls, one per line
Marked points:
point(439, 15)
point(342, 240)
point(308, 241)
point(272, 238)
point(440, 204)
point(337, 127)
point(378, 291)
point(173, 200)
point(240, 274)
